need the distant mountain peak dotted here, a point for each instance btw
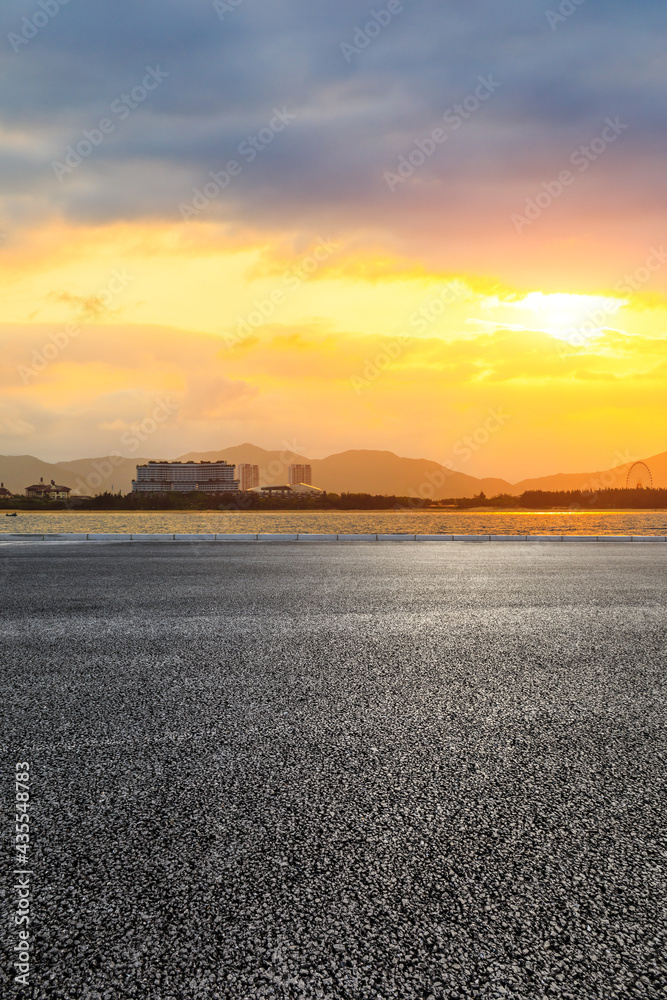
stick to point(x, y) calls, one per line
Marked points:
point(356, 470)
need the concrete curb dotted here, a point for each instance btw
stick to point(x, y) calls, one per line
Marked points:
point(92, 537)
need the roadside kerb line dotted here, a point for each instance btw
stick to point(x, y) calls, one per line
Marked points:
point(305, 537)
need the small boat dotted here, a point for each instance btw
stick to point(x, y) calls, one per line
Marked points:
point(11, 515)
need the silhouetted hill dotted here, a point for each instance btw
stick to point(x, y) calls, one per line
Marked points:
point(84, 475)
point(367, 471)
point(607, 478)
point(273, 465)
point(379, 472)
point(355, 471)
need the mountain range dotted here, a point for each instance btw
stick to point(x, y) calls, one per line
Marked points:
point(375, 472)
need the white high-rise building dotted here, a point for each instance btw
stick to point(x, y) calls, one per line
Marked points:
point(300, 474)
point(248, 476)
point(185, 477)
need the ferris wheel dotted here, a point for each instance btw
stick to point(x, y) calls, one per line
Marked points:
point(639, 477)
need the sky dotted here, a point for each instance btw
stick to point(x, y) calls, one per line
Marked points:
point(324, 226)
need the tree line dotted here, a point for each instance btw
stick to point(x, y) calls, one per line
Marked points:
point(607, 499)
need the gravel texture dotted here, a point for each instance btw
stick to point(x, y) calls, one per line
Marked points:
point(298, 771)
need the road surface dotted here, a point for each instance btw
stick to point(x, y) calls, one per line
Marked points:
point(355, 771)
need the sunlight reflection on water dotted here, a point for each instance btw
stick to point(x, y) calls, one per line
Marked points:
point(353, 522)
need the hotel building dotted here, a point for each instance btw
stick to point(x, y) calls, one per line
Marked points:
point(185, 477)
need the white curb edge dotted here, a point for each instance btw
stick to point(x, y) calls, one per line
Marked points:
point(95, 537)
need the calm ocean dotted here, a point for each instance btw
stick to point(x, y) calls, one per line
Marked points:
point(341, 522)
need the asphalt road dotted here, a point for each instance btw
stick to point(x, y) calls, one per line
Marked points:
point(353, 771)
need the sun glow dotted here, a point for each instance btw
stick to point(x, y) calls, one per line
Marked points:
point(573, 318)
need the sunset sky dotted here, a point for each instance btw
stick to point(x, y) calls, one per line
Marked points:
point(425, 213)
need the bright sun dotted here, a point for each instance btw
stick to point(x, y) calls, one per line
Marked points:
point(573, 318)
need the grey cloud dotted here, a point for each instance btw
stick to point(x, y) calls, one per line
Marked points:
point(353, 119)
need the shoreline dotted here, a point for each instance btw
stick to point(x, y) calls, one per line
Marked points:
point(456, 512)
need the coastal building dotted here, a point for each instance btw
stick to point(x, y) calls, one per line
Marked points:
point(185, 477)
point(301, 474)
point(248, 476)
point(4, 493)
point(47, 491)
point(293, 490)
point(37, 491)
